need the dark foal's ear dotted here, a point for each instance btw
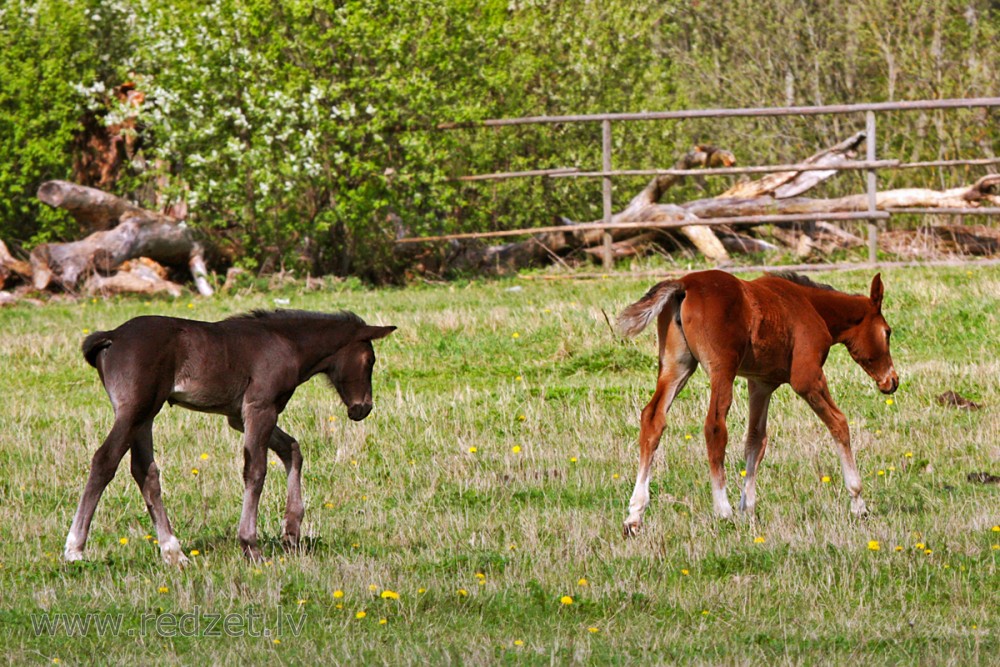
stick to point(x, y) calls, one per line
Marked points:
point(374, 333)
point(877, 291)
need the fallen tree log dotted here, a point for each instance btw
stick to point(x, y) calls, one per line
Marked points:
point(136, 232)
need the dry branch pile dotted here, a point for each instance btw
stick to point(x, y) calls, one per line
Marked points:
point(131, 250)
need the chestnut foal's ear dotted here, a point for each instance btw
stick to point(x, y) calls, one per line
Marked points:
point(877, 291)
point(374, 333)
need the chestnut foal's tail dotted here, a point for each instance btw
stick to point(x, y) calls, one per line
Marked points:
point(93, 344)
point(637, 317)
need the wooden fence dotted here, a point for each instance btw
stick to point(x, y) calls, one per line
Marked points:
point(871, 165)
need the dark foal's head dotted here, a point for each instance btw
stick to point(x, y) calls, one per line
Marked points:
point(351, 371)
point(868, 342)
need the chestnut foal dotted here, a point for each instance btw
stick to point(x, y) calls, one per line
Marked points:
point(246, 368)
point(776, 329)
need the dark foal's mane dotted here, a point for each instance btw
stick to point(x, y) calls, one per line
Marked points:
point(344, 316)
point(799, 279)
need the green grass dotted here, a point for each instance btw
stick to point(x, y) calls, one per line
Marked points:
point(398, 502)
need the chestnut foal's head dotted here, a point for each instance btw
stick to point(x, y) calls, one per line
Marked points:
point(868, 342)
point(351, 374)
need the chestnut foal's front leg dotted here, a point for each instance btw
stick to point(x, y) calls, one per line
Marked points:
point(676, 366)
point(814, 390)
point(259, 422)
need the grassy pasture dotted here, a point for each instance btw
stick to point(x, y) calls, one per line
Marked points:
point(488, 489)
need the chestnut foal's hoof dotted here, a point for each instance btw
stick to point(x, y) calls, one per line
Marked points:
point(631, 530)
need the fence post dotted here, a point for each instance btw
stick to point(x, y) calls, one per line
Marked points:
point(872, 186)
point(609, 261)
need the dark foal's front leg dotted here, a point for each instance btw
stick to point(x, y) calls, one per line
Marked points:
point(259, 423)
point(287, 449)
point(147, 475)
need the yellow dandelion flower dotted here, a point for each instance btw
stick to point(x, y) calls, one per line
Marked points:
point(995, 529)
point(825, 479)
point(687, 436)
point(354, 462)
point(480, 575)
point(685, 572)
point(743, 473)
point(881, 473)
point(302, 601)
point(190, 305)
point(908, 455)
point(704, 612)
point(204, 456)
point(383, 621)
point(355, 545)
point(566, 599)
point(276, 641)
point(592, 630)
point(421, 591)
point(55, 661)
point(759, 539)
point(572, 459)
point(86, 331)
point(461, 592)
point(889, 401)
point(521, 418)
point(899, 548)
point(928, 552)
point(995, 547)
point(473, 450)
point(194, 471)
point(195, 552)
point(518, 642)
point(123, 541)
point(516, 449)
point(338, 606)
point(518, 378)
point(360, 615)
point(873, 545)
point(148, 537)
point(156, 541)
point(390, 595)
point(919, 545)
point(163, 589)
point(372, 587)
point(338, 594)
point(515, 335)
point(329, 506)
point(582, 582)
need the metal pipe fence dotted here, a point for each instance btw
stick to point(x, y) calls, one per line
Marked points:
point(871, 165)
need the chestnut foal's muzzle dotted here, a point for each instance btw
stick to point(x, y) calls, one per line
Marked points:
point(359, 411)
point(890, 384)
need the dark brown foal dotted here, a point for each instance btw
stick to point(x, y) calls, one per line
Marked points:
point(774, 330)
point(246, 368)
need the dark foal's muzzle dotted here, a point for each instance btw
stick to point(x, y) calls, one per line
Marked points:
point(359, 411)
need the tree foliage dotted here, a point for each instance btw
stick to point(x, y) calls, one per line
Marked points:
point(301, 133)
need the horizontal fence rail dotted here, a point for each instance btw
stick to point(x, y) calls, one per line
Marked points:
point(870, 165)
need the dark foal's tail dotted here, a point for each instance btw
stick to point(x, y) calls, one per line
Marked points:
point(637, 317)
point(93, 344)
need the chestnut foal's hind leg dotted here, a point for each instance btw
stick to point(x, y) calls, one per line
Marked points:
point(676, 366)
point(287, 449)
point(717, 435)
point(756, 441)
point(147, 476)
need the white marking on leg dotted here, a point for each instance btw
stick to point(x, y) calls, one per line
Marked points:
point(170, 550)
point(73, 550)
point(722, 507)
point(639, 502)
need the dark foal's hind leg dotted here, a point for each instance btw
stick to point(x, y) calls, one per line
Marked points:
point(147, 475)
point(102, 470)
point(287, 449)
